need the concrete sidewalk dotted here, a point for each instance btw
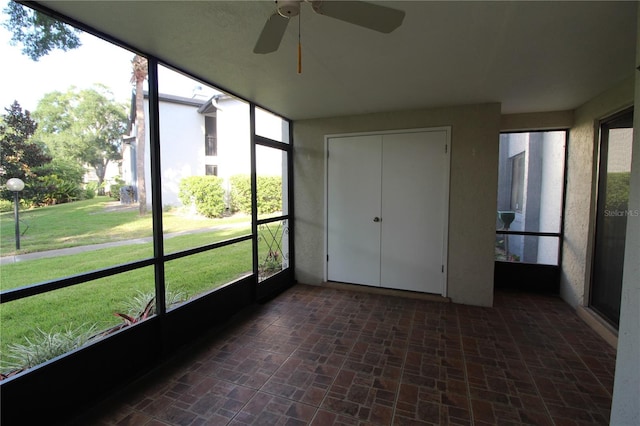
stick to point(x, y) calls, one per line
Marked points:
point(82, 249)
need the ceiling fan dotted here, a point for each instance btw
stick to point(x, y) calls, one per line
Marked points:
point(368, 15)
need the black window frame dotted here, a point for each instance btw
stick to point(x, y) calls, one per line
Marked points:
point(159, 258)
point(560, 234)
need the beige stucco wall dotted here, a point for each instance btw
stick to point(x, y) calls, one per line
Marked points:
point(474, 175)
point(581, 185)
point(552, 120)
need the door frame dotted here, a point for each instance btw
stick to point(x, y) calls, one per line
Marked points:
point(446, 183)
point(600, 152)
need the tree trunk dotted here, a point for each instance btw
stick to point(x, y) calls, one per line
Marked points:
point(101, 170)
point(140, 72)
point(140, 150)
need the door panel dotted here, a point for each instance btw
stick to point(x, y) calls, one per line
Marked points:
point(402, 180)
point(354, 175)
point(413, 211)
point(611, 220)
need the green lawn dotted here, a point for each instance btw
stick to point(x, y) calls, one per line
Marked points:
point(95, 302)
point(95, 221)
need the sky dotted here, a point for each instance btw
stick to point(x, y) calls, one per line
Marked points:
point(96, 61)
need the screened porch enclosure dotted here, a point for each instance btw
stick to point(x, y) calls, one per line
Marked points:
point(214, 157)
point(531, 177)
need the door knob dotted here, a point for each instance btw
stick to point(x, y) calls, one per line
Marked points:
point(376, 219)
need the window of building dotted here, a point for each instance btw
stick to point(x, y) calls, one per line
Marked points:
point(211, 170)
point(211, 137)
point(530, 197)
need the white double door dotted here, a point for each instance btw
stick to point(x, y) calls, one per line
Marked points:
point(387, 209)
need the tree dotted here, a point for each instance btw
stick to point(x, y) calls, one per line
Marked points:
point(83, 125)
point(139, 74)
point(37, 32)
point(59, 181)
point(19, 154)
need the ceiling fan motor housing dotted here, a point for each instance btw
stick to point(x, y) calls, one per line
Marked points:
point(365, 14)
point(288, 8)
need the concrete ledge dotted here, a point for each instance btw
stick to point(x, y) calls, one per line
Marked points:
point(599, 325)
point(387, 291)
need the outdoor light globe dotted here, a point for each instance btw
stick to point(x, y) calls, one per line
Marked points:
point(15, 185)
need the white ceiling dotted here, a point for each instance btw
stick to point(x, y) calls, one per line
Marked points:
point(530, 56)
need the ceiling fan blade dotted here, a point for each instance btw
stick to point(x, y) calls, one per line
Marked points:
point(271, 34)
point(368, 15)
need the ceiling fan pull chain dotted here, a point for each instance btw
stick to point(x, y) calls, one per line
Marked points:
point(299, 44)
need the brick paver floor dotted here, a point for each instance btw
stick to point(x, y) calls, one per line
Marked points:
point(324, 356)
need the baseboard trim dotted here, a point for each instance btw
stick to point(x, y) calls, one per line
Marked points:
point(387, 291)
point(599, 325)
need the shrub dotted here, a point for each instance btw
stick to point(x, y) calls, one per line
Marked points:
point(114, 191)
point(138, 305)
point(617, 191)
point(67, 170)
point(241, 194)
point(6, 206)
point(43, 346)
point(205, 193)
point(269, 194)
point(142, 307)
point(57, 182)
point(91, 190)
point(51, 189)
point(272, 264)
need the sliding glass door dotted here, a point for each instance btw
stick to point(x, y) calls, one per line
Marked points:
point(611, 215)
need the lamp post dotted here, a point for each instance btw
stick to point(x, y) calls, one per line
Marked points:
point(16, 185)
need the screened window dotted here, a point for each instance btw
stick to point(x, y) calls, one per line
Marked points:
point(530, 197)
point(197, 208)
point(209, 234)
point(88, 198)
point(272, 193)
